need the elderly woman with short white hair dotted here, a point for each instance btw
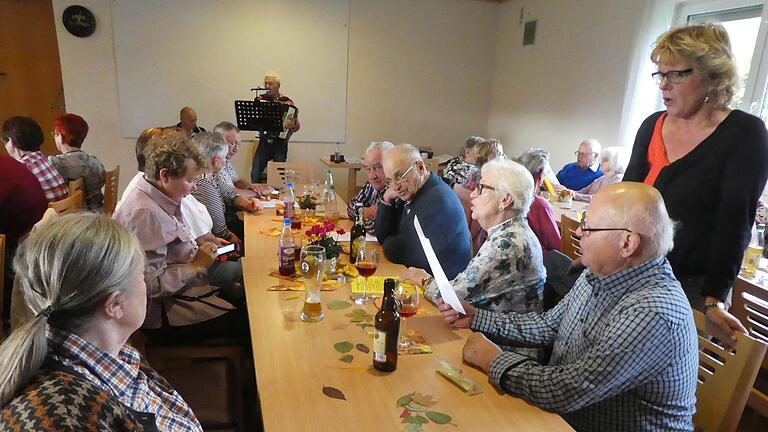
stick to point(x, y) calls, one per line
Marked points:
point(507, 274)
point(613, 162)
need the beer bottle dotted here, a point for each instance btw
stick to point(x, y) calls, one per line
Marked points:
point(356, 236)
point(386, 331)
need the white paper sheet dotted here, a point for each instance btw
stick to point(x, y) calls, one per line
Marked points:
point(268, 204)
point(443, 284)
point(368, 238)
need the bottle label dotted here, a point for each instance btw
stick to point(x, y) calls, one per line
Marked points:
point(354, 248)
point(289, 212)
point(287, 256)
point(379, 345)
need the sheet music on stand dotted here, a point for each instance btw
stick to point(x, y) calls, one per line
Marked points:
point(259, 115)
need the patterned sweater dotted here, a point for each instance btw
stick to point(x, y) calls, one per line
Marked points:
point(61, 399)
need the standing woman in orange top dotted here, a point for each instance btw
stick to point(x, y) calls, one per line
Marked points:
point(709, 162)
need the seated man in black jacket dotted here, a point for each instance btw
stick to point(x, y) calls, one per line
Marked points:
point(414, 191)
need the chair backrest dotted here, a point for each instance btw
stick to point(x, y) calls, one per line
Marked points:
point(725, 378)
point(77, 185)
point(276, 172)
point(69, 204)
point(570, 243)
point(111, 183)
point(750, 306)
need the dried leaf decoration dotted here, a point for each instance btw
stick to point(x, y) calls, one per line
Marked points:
point(438, 417)
point(338, 305)
point(343, 347)
point(422, 399)
point(416, 413)
point(347, 358)
point(363, 348)
point(292, 296)
point(364, 326)
point(333, 392)
point(358, 316)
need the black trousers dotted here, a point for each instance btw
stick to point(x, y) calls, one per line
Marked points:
point(270, 148)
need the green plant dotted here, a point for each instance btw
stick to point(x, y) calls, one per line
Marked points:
point(307, 203)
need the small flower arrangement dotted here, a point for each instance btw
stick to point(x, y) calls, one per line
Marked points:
point(306, 202)
point(320, 234)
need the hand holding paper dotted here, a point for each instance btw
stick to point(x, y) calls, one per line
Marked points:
point(443, 284)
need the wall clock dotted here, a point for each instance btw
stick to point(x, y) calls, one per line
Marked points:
point(79, 21)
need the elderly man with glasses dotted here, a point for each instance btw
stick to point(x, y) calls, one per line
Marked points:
point(414, 191)
point(580, 174)
point(624, 342)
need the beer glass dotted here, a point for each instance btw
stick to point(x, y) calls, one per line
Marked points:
point(312, 265)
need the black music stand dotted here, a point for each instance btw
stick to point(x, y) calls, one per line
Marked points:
point(258, 115)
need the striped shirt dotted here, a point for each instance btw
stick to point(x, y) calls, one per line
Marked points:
point(624, 358)
point(53, 185)
point(213, 191)
point(229, 173)
point(367, 197)
point(124, 379)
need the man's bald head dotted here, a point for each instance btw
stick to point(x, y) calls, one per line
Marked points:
point(402, 154)
point(641, 209)
point(188, 119)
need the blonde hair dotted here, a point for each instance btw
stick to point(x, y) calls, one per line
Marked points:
point(488, 150)
point(708, 48)
point(64, 270)
point(171, 151)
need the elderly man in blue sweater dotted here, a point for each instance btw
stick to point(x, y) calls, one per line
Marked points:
point(414, 191)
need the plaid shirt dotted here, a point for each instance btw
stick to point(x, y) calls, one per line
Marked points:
point(625, 352)
point(53, 185)
point(367, 197)
point(122, 377)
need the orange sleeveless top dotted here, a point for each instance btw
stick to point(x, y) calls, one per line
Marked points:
point(657, 153)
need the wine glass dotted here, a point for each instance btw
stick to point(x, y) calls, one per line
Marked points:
point(408, 299)
point(366, 263)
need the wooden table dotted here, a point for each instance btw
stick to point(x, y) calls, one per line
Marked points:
point(294, 360)
point(352, 169)
point(571, 211)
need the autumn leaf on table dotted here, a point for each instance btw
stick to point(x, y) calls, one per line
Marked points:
point(291, 296)
point(415, 411)
point(343, 347)
point(338, 305)
point(347, 358)
point(423, 399)
point(363, 348)
point(333, 392)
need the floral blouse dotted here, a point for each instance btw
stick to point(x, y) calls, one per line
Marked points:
point(457, 171)
point(506, 275)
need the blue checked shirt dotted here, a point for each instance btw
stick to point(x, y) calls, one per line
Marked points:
point(124, 379)
point(624, 358)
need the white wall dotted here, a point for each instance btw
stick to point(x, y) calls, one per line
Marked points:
point(419, 72)
point(577, 80)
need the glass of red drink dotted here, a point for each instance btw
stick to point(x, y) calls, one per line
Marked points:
point(408, 299)
point(366, 263)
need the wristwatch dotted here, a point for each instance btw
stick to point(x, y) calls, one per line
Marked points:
point(710, 305)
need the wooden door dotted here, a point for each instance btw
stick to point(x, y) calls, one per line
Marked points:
point(30, 72)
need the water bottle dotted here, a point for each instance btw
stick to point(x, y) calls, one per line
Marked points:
point(331, 207)
point(289, 199)
point(287, 252)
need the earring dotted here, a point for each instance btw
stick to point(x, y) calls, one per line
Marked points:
point(706, 99)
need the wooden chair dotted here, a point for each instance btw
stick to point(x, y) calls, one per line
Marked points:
point(725, 378)
point(276, 172)
point(111, 183)
point(77, 185)
point(209, 376)
point(570, 243)
point(68, 205)
point(750, 306)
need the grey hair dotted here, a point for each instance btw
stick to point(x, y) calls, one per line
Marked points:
point(512, 179)
point(410, 152)
point(380, 145)
point(535, 160)
point(225, 126)
point(596, 147)
point(274, 75)
point(69, 265)
point(470, 143)
point(211, 144)
point(652, 222)
point(617, 156)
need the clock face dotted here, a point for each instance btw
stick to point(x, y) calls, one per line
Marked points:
point(79, 21)
point(762, 215)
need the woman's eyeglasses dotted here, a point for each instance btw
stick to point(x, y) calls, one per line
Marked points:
point(481, 187)
point(673, 76)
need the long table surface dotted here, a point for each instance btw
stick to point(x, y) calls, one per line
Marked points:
point(294, 360)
